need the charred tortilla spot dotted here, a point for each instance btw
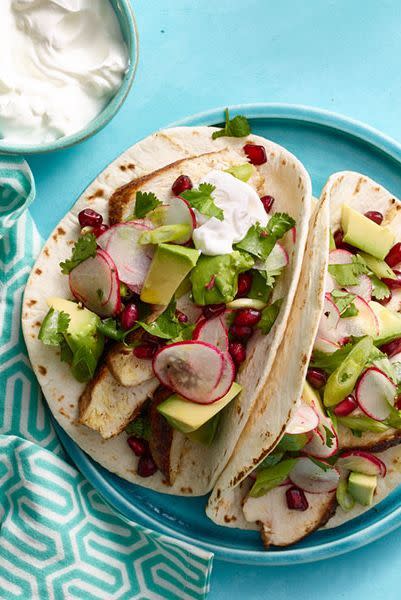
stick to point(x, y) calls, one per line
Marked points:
point(358, 186)
point(229, 519)
point(38, 271)
point(31, 303)
point(98, 194)
point(186, 490)
point(37, 324)
point(283, 162)
point(42, 370)
point(60, 231)
point(123, 168)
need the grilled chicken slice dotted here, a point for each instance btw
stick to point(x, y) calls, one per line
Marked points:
point(165, 443)
point(369, 441)
point(108, 407)
point(282, 526)
point(126, 368)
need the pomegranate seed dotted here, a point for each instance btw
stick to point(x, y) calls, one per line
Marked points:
point(248, 317)
point(241, 332)
point(181, 184)
point(146, 466)
point(129, 315)
point(398, 402)
point(139, 447)
point(89, 218)
point(393, 284)
point(212, 310)
point(238, 352)
point(338, 240)
point(182, 317)
point(375, 216)
point(296, 499)
point(394, 256)
point(346, 406)
point(146, 351)
point(100, 229)
point(255, 153)
point(391, 348)
point(316, 377)
point(267, 202)
point(244, 284)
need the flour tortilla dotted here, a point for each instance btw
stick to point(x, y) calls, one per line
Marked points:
point(278, 399)
point(362, 194)
point(284, 177)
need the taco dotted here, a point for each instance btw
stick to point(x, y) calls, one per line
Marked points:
point(340, 451)
point(155, 310)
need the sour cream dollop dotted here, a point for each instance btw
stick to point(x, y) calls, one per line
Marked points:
point(61, 61)
point(242, 208)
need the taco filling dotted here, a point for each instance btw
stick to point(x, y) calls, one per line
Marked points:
point(350, 406)
point(164, 301)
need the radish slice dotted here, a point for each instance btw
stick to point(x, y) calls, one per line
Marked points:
point(375, 394)
point(277, 260)
point(318, 446)
point(396, 358)
point(177, 212)
point(364, 323)
point(304, 419)
point(193, 369)
point(362, 462)
point(227, 377)
point(311, 478)
point(212, 331)
point(329, 321)
point(363, 289)
point(95, 283)
point(340, 257)
point(132, 259)
point(326, 346)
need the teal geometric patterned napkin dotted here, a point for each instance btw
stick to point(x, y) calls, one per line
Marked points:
point(58, 539)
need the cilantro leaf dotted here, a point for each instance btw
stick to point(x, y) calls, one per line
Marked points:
point(260, 241)
point(140, 428)
point(202, 200)
point(166, 326)
point(236, 127)
point(85, 247)
point(269, 316)
point(54, 325)
point(111, 329)
point(144, 203)
point(329, 436)
point(84, 363)
point(330, 362)
point(262, 285)
point(349, 274)
point(345, 303)
point(380, 290)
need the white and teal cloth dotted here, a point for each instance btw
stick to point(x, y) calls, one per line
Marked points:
point(58, 539)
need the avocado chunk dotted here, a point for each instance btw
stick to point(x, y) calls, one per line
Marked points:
point(170, 265)
point(165, 233)
point(206, 434)
point(389, 323)
point(362, 487)
point(365, 234)
point(215, 278)
point(187, 416)
point(83, 339)
point(379, 267)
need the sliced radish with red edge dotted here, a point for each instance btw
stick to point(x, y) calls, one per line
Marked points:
point(277, 260)
point(362, 462)
point(177, 211)
point(375, 394)
point(362, 289)
point(193, 369)
point(213, 331)
point(364, 323)
point(340, 257)
point(323, 345)
point(303, 420)
point(329, 321)
point(324, 442)
point(95, 283)
point(312, 478)
point(131, 258)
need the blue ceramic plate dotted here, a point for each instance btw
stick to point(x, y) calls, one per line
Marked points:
point(325, 143)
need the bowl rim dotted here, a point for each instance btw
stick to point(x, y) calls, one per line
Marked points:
point(108, 112)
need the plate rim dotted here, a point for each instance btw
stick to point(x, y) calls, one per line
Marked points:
point(129, 512)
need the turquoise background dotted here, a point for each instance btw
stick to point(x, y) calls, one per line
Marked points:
point(196, 54)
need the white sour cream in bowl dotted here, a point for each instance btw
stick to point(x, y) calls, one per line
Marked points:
point(61, 62)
